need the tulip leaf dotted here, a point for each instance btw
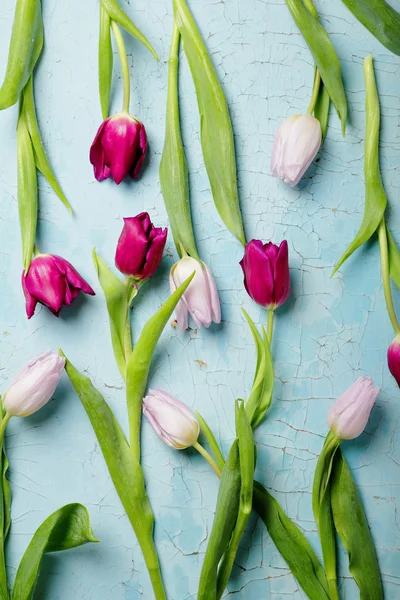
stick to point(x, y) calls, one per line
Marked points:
point(41, 160)
point(321, 109)
point(216, 134)
point(324, 55)
point(25, 47)
point(394, 258)
point(352, 527)
point(68, 527)
point(113, 9)
point(375, 196)
point(208, 434)
point(106, 60)
point(380, 18)
point(27, 191)
point(173, 166)
point(225, 518)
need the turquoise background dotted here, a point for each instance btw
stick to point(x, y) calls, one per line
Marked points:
point(330, 332)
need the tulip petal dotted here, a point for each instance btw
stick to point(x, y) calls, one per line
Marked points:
point(141, 153)
point(96, 156)
point(258, 274)
point(282, 275)
point(45, 283)
point(72, 276)
point(214, 298)
point(30, 301)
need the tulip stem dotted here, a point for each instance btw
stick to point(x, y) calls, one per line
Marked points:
point(3, 426)
point(208, 458)
point(383, 246)
point(4, 595)
point(270, 324)
point(124, 65)
point(316, 86)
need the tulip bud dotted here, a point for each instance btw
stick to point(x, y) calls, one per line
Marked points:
point(174, 423)
point(349, 415)
point(140, 247)
point(393, 357)
point(119, 148)
point(296, 143)
point(34, 386)
point(52, 281)
point(266, 273)
point(201, 297)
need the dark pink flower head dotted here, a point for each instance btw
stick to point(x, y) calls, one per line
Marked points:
point(119, 148)
point(52, 281)
point(266, 273)
point(140, 247)
point(393, 357)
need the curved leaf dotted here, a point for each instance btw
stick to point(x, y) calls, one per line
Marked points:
point(27, 191)
point(394, 258)
point(208, 434)
point(380, 18)
point(106, 60)
point(321, 109)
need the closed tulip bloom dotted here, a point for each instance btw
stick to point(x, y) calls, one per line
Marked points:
point(296, 144)
point(174, 423)
point(201, 297)
point(119, 148)
point(140, 247)
point(52, 281)
point(393, 357)
point(266, 273)
point(349, 415)
point(34, 386)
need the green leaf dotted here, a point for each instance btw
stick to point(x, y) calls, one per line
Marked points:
point(394, 258)
point(41, 160)
point(380, 18)
point(208, 434)
point(292, 545)
point(173, 167)
point(118, 297)
point(375, 197)
point(321, 110)
point(66, 528)
point(226, 514)
point(5, 514)
point(113, 9)
point(27, 191)
point(352, 527)
point(216, 133)
point(25, 47)
point(106, 60)
point(324, 55)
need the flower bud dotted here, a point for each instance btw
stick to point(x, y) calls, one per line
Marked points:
point(119, 148)
point(34, 386)
point(201, 297)
point(296, 143)
point(393, 357)
point(174, 423)
point(52, 281)
point(349, 415)
point(266, 273)
point(140, 247)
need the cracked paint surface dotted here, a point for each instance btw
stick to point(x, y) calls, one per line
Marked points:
point(330, 332)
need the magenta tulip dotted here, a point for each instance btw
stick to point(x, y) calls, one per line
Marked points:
point(140, 247)
point(119, 148)
point(393, 357)
point(266, 273)
point(52, 281)
point(201, 297)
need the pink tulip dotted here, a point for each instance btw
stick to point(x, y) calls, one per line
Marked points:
point(174, 423)
point(201, 297)
point(393, 357)
point(52, 281)
point(349, 415)
point(266, 273)
point(33, 387)
point(296, 144)
point(140, 247)
point(119, 148)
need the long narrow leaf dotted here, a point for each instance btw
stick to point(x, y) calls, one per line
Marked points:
point(215, 124)
point(380, 18)
point(106, 60)
point(27, 191)
point(208, 434)
point(321, 110)
point(394, 258)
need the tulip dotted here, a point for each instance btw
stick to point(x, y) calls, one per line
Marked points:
point(349, 415)
point(119, 148)
point(140, 247)
point(296, 143)
point(266, 273)
point(174, 423)
point(34, 386)
point(201, 297)
point(52, 281)
point(393, 357)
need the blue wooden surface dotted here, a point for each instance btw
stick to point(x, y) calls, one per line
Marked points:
point(330, 332)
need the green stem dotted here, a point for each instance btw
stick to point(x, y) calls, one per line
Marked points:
point(3, 426)
point(4, 595)
point(124, 65)
point(270, 324)
point(333, 591)
point(314, 97)
point(153, 566)
point(383, 246)
point(310, 6)
point(208, 458)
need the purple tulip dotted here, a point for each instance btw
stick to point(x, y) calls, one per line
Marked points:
point(119, 148)
point(140, 247)
point(349, 415)
point(174, 423)
point(393, 357)
point(201, 297)
point(266, 273)
point(52, 281)
point(296, 144)
point(33, 387)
